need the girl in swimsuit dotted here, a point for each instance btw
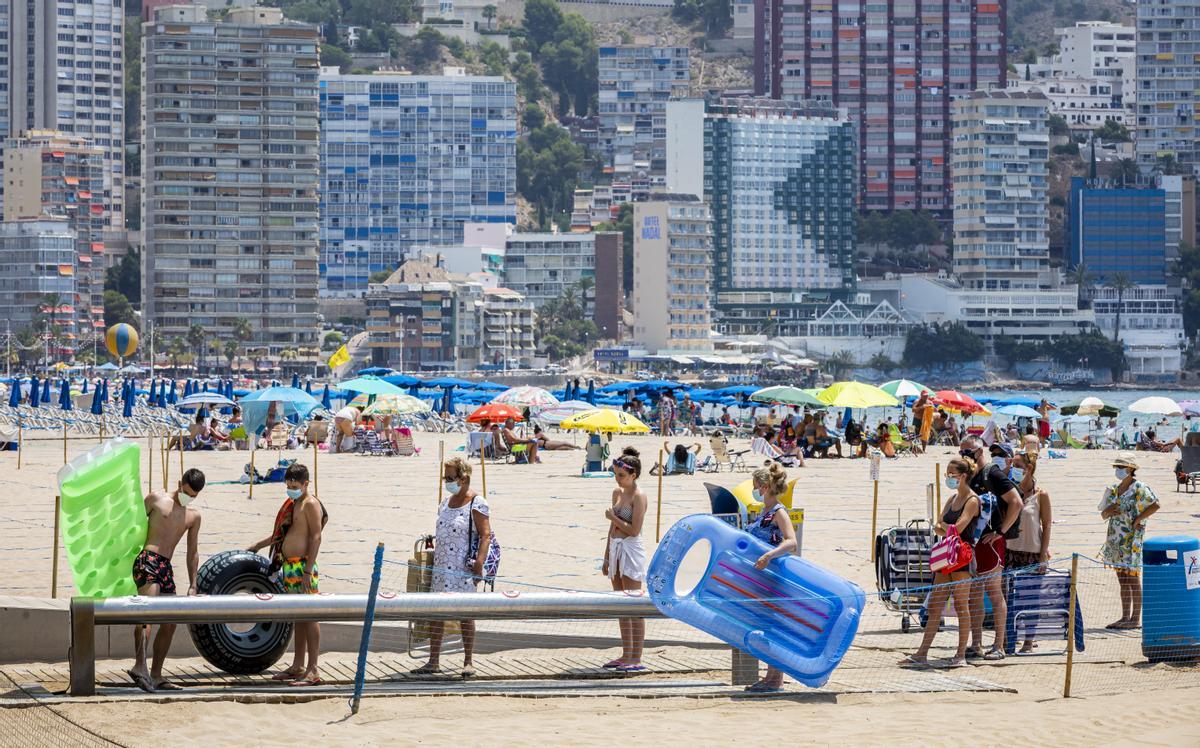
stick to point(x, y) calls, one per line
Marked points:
point(961, 511)
point(625, 555)
point(773, 527)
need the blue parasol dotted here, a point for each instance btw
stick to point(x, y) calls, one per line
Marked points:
point(325, 402)
point(308, 386)
point(591, 393)
point(295, 381)
point(369, 385)
point(128, 410)
point(14, 393)
point(291, 401)
point(85, 384)
point(64, 395)
point(34, 391)
point(46, 390)
point(173, 397)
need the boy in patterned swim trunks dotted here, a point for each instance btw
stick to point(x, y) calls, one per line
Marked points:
point(169, 519)
point(296, 541)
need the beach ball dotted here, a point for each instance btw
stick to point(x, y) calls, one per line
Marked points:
point(121, 340)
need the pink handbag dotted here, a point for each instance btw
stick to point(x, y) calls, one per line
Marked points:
point(950, 553)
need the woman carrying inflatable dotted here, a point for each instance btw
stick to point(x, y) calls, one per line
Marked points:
point(773, 527)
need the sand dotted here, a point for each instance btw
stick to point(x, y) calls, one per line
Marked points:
point(552, 527)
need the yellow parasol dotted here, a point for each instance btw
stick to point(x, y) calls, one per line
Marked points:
point(606, 420)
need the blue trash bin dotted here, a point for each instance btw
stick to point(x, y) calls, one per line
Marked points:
point(1170, 611)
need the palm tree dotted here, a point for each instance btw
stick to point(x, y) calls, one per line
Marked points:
point(1120, 282)
point(256, 356)
point(1082, 279)
point(242, 330)
point(489, 13)
point(230, 350)
point(287, 355)
point(195, 336)
point(177, 348)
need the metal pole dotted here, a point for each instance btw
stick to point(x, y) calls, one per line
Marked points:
point(54, 566)
point(368, 619)
point(1071, 625)
point(64, 442)
point(181, 454)
point(662, 468)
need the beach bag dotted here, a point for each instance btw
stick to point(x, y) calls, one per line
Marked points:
point(987, 506)
point(950, 553)
point(491, 562)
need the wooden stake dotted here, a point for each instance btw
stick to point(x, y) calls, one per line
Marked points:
point(658, 522)
point(1071, 625)
point(483, 467)
point(874, 513)
point(149, 463)
point(164, 457)
point(937, 481)
point(252, 473)
point(54, 566)
point(181, 455)
point(437, 492)
point(64, 443)
point(315, 469)
point(20, 440)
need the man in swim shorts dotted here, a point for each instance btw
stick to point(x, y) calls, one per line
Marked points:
point(169, 518)
point(294, 544)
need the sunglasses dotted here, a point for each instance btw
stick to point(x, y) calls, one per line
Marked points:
point(621, 464)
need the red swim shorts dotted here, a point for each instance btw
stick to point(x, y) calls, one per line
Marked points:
point(989, 557)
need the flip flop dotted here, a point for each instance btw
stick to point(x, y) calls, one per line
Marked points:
point(994, 654)
point(612, 664)
point(425, 670)
point(762, 687)
point(288, 675)
point(955, 664)
point(631, 668)
point(467, 673)
point(141, 681)
point(305, 682)
point(912, 662)
point(166, 685)
point(1115, 625)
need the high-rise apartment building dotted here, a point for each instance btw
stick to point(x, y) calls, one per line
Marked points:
point(895, 67)
point(1001, 152)
point(780, 179)
point(37, 267)
point(543, 266)
point(229, 169)
point(55, 175)
point(62, 66)
point(610, 285)
point(672, 288)
point(1168, 84)
point(636, 82)
point(408, 160)
point(1102, 50)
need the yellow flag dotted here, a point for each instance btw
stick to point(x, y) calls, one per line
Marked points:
point(342, 356)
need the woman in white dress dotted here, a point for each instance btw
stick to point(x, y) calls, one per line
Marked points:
point(462, 514)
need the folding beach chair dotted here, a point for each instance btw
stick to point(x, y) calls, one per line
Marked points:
point(674, 467)
point(761, 446)
point(595, 455)
point(722, 456)
point(902, 445)
point(376, 445)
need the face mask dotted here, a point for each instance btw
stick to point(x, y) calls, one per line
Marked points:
point(1000, 462)
point(295, 493)
point(757, 495)
point(1122, 473)
point(1018, 474)
point(952, 483)
point(184, 499)
point(452, 486)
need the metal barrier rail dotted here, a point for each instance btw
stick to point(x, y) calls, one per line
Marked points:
point(87, 613)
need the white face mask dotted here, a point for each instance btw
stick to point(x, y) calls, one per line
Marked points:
point(183, 498)
point(1000, 462)
point(451, 486)
point(1018, 474)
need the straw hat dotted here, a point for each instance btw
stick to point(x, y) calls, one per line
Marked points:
point(1124, 461)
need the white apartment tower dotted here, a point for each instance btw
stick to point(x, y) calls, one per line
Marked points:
point(1168, 83)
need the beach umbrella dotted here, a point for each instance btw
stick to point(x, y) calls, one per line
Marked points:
point(397, 405)
point(1190, 407)
point(376, 371)
point(46, 390)
point(558, 413)
point(526, 397)
point(490, 386)
point(161, 402)
point(1017, 410)
point(325, 402)
point(174, 396)
point(289, 402)
point(494, 412)
point(1157, 405)
point(204, 398)
point(109, 366)
point(64, 395)
point(1088, 406)
point(369, 385)
point(308, 386)
point(605, 420)
point(1029, 401)
point(856, 395)
point(295, 381)
point(786, 395)
point(85, 384)
point(591, 393)
point(400, 380)
point(445, 382)
point(128, 410)
point(97, 400)
point(901, 388)
point(14, 393)
point(958, 401)
point(448, 399)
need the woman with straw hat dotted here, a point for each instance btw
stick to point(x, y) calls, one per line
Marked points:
point(1126, 505)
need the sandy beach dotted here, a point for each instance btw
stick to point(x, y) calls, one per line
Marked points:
point(551, 524)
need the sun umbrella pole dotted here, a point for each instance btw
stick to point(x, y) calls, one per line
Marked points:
point(253, 475)
point(483, 468)
point(937, 472)
point(20, 439)
point(658, 522)
point(315, 490)
point(54, 566)
point(64, 442)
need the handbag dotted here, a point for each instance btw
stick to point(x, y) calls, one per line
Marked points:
point(950, 553)
point(491, 562)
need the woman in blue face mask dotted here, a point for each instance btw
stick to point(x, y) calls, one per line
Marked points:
point(960, 511)
point(773, 527)
point(1127, 505)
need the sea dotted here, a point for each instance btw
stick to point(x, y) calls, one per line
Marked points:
point(1117, 398)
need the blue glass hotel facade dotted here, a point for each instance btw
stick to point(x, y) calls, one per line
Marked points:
point(1115, 230)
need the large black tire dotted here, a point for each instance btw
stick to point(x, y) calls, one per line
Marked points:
point(251, 648)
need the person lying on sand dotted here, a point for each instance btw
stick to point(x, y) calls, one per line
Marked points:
point(545, 442)
point(169, 519)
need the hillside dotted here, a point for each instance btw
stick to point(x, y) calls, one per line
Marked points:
point(1031, 23)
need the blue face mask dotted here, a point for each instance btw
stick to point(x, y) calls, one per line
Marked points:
point(1017, 474)
point(952, 483)
point(758, 496)
point(295, 493)
point(1121, 473)
point(452, 486)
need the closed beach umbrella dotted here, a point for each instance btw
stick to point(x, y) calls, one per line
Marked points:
point(173, 397)
point(128, 410)
point(308, 386)
point(46, 390)
point(325, 400)
point(64, 395)
point(1163, 406)
point(14, 393)
point(296, 381)
point(85, 384)
point(97, 401)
